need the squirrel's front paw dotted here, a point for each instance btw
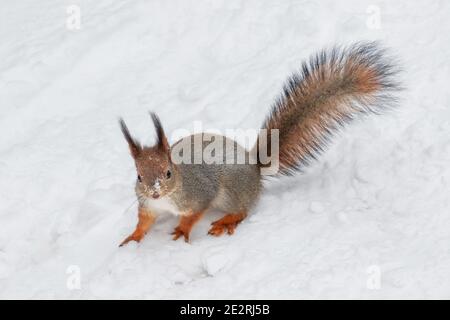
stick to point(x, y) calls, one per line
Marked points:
point(132, 237)
point(178, 232)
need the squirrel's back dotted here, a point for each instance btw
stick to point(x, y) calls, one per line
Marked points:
point(219, 182)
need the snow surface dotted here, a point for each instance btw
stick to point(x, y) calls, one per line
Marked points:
point(370, 220)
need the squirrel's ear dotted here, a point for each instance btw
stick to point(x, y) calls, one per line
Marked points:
point(162, 142)
point(135, 147)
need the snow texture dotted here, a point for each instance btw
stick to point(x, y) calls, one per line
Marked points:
point(369, 220)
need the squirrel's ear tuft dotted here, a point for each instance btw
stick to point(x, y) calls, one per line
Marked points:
point(162, 142)
point(135, 147)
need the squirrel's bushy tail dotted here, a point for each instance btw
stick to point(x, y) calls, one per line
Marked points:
point(332, 89)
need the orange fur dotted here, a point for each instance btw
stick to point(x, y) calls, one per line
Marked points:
point(332, 89)
point(146, 220)
point(185, 226)
point(229, 223)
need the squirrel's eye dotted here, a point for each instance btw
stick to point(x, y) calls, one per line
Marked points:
point(139, 178)
point(168, 174)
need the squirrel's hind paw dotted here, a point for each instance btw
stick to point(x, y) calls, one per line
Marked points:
point(228, 223)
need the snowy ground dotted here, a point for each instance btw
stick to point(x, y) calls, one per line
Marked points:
point(370, 220)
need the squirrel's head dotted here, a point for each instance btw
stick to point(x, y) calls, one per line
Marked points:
point(155, 171)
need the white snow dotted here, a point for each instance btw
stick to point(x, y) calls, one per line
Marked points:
point(370, 220)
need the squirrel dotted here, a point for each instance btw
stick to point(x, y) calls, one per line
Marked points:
point(333, 88)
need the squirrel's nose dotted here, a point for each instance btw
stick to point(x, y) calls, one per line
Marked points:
point(155, 195)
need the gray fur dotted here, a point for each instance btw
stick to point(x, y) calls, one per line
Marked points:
point(232, 188)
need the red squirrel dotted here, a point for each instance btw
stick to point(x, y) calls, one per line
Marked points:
point(330, 90)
